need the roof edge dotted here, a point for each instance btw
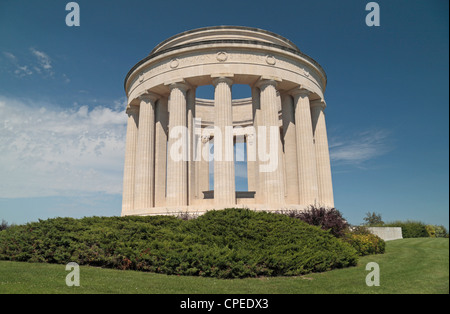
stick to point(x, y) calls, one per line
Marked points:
point(196, 30)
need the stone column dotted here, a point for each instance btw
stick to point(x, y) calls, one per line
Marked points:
point(224, 184)
point(306, 156)
point(272, 175)
point(324, 179)
point(251, 162)
point(145, 156)
point(256, 114)
point(191, 141)
point(203, 173)
point(281, 145)
point(177, 180)
point(130, 160)
point(161, 121)
point(290, 149)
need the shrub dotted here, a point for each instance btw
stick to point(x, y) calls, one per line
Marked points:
point(410, 229)
point(364, 242)
point(361, 230)
point(431, 231)
point(441, 232)
point(325, 218)
point(231, 243)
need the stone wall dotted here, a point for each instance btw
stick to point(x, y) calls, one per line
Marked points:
point(387, 233)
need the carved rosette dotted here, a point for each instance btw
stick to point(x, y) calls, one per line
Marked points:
point(174, 63)
point(221, 56)
point(270, 60)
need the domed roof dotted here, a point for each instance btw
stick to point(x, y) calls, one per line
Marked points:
point(224, 34)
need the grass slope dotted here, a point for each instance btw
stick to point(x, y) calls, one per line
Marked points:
point(408, 266)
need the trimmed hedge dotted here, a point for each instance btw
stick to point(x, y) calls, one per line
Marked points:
point(232, 243)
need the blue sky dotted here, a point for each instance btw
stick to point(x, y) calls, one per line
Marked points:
point(62, 120)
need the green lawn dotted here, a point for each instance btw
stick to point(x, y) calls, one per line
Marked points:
point(408, 266)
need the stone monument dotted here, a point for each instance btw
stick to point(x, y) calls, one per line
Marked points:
point(170, 130)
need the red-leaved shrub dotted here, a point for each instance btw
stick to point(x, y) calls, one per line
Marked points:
point(326, 218)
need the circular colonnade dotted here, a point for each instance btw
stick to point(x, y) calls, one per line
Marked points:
point(170, 130)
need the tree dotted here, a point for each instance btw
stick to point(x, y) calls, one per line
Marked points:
point(4, 225)
point(373, 219)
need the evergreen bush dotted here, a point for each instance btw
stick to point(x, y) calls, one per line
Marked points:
point(232, 243)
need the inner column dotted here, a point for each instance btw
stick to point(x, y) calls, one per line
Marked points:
point(224, 182)
point(161, 121)
point(192, 178)
point(177, 180)
point(203, 171)
point(251, 162)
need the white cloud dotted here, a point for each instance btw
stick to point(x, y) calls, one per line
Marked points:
point(10, 56)
point(359, 147)
point(66, 79)
point(48, 150)
point(42, 65)
point(43, 59)
point(22, 71)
